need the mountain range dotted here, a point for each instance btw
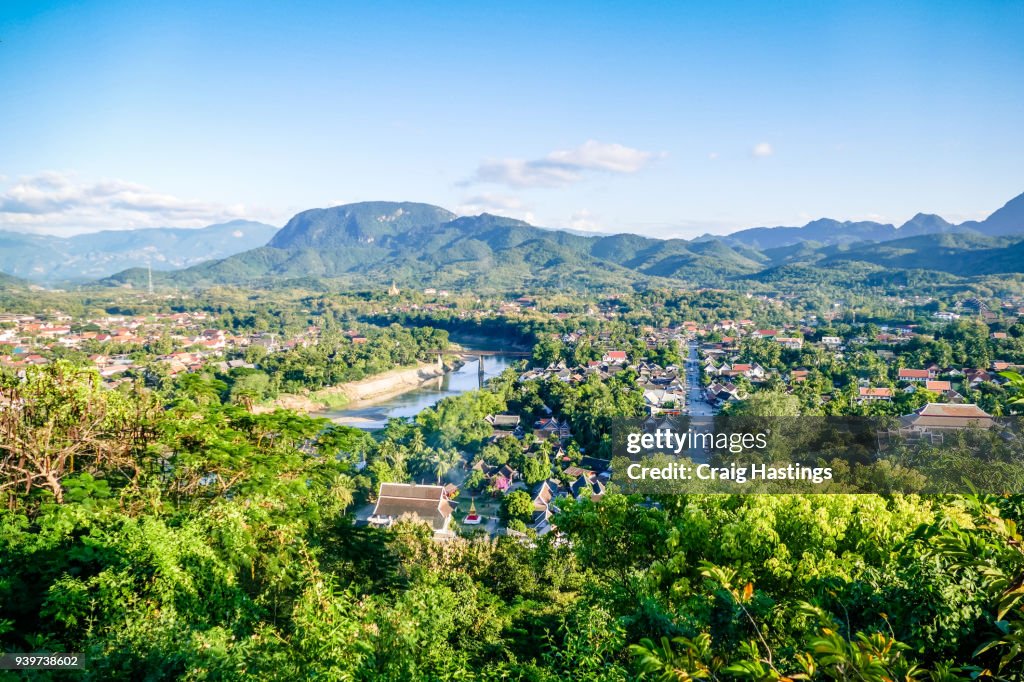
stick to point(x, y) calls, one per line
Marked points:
point(1008, 220)
point(415, 244)
point(92, 256)
point(420, 244)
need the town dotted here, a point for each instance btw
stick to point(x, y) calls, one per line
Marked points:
point(512, 342)
point(511, 468)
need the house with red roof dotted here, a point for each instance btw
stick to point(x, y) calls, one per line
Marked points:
point(870, 394)
point(615, 357)
point(915, 375)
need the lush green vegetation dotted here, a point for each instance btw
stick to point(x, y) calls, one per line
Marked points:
point(336, 359)
point(170, 535)
point(167, 532)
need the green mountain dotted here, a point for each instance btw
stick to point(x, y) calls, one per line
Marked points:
point(824, 230)
point(363, 223)
point(927, 223)
point(958, 254)
point(417, 245)
point(9, 282)
point(45, 258)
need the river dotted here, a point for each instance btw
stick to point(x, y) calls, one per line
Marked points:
point(466, 378)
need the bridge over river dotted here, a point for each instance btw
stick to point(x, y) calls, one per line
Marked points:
point(462, 378)
point(473, 352)
point(466, 353)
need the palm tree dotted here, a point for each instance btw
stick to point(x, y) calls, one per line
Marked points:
point(1015, 382)
point(392, 453)
point(443, 462)
point(417, 443)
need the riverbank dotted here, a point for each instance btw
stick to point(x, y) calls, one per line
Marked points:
point(363, 392)
point(375, 414)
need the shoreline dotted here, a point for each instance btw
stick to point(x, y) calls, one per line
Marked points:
point(363, 392)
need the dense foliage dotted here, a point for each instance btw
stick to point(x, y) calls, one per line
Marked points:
point(171, 535)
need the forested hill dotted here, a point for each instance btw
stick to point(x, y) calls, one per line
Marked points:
point(420, 245)
point(363, 223)
point(8, 282)
point(426, 245)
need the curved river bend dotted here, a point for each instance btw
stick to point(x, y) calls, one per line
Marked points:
point(408, 404)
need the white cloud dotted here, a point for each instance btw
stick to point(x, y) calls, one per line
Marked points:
point(713, 156)
point(60, 203)
point(489, 203)
point(563, 167)
point(520, 173)
point(594, 155)
point(584, 220)
point(762, 149)
point(496, 204)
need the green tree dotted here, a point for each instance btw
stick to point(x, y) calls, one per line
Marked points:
point(516, 506)
point(536, 469)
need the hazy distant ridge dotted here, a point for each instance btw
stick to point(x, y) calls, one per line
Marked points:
point(91, 256)
point(1008, 220)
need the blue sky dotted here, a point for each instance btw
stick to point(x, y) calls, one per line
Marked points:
point(669, 119)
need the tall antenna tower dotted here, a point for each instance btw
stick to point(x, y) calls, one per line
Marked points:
point(149, 270)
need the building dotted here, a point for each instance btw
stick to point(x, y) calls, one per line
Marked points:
point(934, 420)
point(938, 386)
point(423, 503)
point(868, 394)
point(545, 500)
point(916, 375)
point(504, 422)
point(550, 426)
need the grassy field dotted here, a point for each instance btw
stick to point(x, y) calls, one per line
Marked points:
point(331, 399)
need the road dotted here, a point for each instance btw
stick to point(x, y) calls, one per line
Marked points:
point(696, 405)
